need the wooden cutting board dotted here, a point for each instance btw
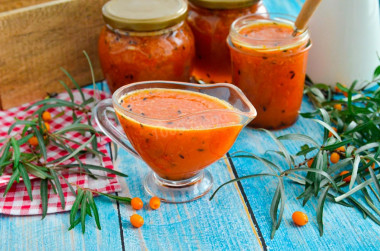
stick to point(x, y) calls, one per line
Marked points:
point(40, 36)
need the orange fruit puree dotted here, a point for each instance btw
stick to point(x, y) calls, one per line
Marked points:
point(176, 132)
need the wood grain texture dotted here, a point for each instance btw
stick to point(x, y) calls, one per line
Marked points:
point(37, 40)
point(6, 5)
point(344, 228)
point(220, 224)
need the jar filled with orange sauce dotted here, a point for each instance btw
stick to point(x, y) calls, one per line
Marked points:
point(145, 40)
point(210, 21)
point(269, 65)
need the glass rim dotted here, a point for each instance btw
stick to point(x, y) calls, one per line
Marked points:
point(252, 113)
point(244, 21)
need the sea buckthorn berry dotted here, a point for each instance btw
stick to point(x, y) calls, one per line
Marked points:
point(46, 116)
point(136, 220)
point(154, 203)
point(300, 218)
point(337, 89)
point(338, 107)
point(341, 149)
point(47, 126)
point(348, 178)
point(330, 133)
point(345, 94)
point(334, 158)
point(33, 141)
point(373, 165)
point(137, 203)
point(310, 162)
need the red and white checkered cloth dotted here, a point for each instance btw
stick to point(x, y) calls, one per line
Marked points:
point(17, 201)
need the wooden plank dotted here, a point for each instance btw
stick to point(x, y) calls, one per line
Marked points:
point(344, 227)
point(221, 224)
point(6, 5)
point(37, 40)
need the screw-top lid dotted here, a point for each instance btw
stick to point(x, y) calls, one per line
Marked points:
point(224, 4)
point(144, 15)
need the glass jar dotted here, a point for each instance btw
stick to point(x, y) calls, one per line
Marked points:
point(210, 21)
point(269, 65)
point(145, 40)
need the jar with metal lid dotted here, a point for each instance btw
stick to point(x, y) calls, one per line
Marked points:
point(269, 66)
point(210, 21)
point(145, 40)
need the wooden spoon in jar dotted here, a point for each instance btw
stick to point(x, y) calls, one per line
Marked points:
point(306, 12)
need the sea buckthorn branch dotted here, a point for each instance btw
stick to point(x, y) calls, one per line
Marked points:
point(346, 162)
point(37, 136)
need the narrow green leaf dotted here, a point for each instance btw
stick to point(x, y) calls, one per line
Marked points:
point(44, 196)
point(321, 203)
point(25, 139)
point(83, 213)
point(328, 127)
point(274, 209)
point(76, 222)
point(311, 170)
point(36, 171)
point(306, 151)
point(235, 180)
point(336, 145)
point(59, 187)
point(76, 127)
point(68, 90)
point(52, 101)
point(118, 198)
point(74, 82)
point(356, 188)
point(21, 122)
point(74, 208)
point(76, 151)
point(14, 177)
point(280, 145)
point(300, 137)
point(93, 167)
point(376, 181)
point(68, 184)
point(354, 171)
point(41, 142)
point(367, 147)
point(16, 153)
point(25, 178)
point(92, 204)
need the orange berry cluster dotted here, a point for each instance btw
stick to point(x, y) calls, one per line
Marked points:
point(46, 117)
point(137, 204)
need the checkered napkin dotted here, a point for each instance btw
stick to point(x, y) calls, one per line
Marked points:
point(17, 201)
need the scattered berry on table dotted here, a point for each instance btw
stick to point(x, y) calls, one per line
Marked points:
point(137, 203)
point(300, 218)
point(136, 220)
point(154, 203)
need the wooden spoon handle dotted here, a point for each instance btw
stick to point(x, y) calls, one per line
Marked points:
point(306, 12)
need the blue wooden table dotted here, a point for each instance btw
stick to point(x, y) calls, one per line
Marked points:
point(237, 219)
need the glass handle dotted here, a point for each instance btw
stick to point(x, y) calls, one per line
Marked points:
point(100, 114)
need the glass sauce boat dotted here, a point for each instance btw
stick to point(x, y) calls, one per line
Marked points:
point(179, 148)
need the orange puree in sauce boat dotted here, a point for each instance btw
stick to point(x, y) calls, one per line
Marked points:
point(183, 131)
point(269, 66)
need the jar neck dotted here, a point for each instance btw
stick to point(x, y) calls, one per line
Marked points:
point(239, 40)
point(165, 31)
